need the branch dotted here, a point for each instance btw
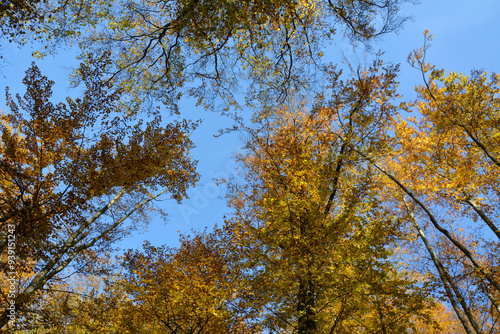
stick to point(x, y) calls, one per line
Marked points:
point(445, 278)
point(483, 216)
point(436, 224)
point(50, 269)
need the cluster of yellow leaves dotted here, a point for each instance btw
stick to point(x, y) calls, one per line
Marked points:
point(190, 289)
point(442, 144)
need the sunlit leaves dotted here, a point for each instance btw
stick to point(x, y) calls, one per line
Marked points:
point(446, 160)
point(307, 218)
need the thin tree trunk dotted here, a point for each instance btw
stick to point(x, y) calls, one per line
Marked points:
point(436, 224)
point(382, 320)
point(442, 274)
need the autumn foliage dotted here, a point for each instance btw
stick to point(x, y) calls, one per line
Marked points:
point(355, 210)
point(72, 173)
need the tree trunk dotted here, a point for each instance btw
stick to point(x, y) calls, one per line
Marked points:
point(449, 285)
point(306, 307)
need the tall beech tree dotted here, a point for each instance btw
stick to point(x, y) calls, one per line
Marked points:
point(446, 165)
point(77, 176)
point(308, 221)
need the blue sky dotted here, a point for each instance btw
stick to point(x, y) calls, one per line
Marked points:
point(466, 37)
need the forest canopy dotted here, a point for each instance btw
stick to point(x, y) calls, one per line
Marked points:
point(356, 209)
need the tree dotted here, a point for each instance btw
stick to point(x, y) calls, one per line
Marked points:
point(72, 174)
point(444, 322)
point(162, 46)
point(189, 289)
point(446, 164)
point(81, 304)
point(308, 221)
point(25, 21)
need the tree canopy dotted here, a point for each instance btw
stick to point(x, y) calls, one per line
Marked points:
point(347, 216)
point(72, 173)
point(164, 49)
